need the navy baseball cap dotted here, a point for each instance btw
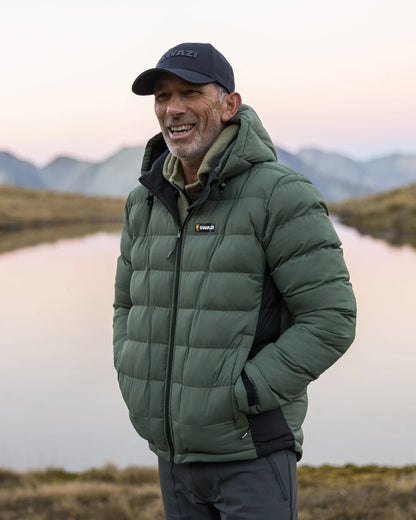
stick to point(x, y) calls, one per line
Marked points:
point(197, 63)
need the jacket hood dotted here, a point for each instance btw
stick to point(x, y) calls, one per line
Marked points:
point(252, 145)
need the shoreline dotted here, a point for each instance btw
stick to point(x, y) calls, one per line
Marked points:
point(30, 237)
point(29, 217)
point(389, 216)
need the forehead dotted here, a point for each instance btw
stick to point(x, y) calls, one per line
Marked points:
point(166, 80)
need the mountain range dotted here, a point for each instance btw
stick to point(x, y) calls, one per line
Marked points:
point(336, 175)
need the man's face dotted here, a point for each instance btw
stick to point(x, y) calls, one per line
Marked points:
point(190, 116)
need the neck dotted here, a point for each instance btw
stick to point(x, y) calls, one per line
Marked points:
point(190, 171)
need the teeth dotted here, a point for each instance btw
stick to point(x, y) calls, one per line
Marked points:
point(180, 129)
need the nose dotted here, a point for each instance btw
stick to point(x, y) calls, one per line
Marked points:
point(175, 106)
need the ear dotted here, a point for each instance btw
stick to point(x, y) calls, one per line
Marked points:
point(231, 103)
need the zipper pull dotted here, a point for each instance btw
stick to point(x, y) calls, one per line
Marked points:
point(176, 244)
point(245, 434)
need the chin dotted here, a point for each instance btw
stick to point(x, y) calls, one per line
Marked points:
point(183, 152)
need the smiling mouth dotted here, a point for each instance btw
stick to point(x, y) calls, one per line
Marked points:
point(180, 130)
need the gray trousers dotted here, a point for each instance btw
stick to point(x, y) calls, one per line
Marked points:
point(260, 489)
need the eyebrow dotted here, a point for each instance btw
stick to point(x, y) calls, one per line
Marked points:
point(160, 85)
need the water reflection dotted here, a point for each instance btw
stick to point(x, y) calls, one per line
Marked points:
point(59, 401)
point(362, 409)
point(11, 241)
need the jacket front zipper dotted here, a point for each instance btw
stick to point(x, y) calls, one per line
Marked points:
point(168, 429)
point(178, 250)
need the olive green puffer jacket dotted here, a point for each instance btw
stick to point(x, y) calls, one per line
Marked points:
point(221, 324)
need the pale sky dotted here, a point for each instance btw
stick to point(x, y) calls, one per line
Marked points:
point(338, 75)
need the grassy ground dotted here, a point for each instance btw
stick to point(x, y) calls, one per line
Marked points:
point(357, 493)
point(29, 217)
point(22, 208)
point(390, 215)
point(325, 493)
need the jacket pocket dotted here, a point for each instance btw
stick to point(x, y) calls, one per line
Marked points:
point(252, 397)
point(240, 396)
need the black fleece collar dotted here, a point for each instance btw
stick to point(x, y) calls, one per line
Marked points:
point(158, 186)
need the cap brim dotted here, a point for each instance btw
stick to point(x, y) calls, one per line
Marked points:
point(144, 84)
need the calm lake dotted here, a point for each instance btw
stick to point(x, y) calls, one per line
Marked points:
point(59, 401)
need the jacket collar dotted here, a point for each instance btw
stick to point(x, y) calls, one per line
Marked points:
point(158, 186)
point(152, 176)
point(252, 145)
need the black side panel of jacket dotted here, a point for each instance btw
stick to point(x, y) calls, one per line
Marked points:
point(269, 430)
point(268, 325)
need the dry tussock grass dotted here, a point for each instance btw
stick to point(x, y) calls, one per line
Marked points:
point(325, 493)
point(357, 493)
point(31, 217)
point(22, 208)
point(390, 215)
point(102, 494)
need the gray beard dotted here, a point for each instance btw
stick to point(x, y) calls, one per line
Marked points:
point(197, 150)
point(191, 154)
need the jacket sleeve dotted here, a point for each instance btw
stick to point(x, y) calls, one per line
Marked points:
point(307, 266)
point(122, 300)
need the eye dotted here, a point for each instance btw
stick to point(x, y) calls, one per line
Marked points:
point(191, 92)
point(161, 96)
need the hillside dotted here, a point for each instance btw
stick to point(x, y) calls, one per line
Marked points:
point(22, 208)
point(17, 172)
point(362, 177)
point(325, 493)
point(390, 215)
point(337, 176)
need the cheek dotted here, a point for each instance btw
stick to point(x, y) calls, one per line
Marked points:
point(159, 112)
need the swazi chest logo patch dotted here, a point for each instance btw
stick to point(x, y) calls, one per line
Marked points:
point(204, 228)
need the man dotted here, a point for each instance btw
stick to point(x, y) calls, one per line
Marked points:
point(231, 296)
